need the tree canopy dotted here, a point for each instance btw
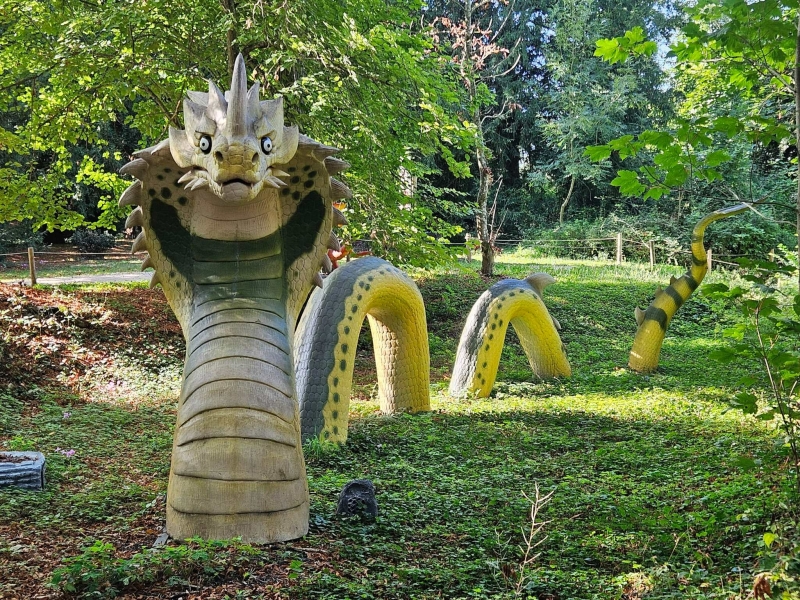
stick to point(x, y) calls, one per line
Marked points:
point(493, 118)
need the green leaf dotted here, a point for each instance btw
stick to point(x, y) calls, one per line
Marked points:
point(717, 157)
point(598, 153)
point(723, 355)
point(635, 35)
point(628, 183)
point(769, 538)
point(728, 125)
point(610, 51)
point(745, 463)
point(656, 192)
point(647, 48)
point(659, 139)
point(712, 289)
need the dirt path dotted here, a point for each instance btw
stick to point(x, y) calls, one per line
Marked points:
point(90, 278)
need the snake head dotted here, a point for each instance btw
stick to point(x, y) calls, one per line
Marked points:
point(233, 141)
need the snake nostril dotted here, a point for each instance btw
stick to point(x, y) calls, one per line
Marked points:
point(218, 157)
point(254, 158)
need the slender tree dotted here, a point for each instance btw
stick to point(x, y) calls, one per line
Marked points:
point(480, 61)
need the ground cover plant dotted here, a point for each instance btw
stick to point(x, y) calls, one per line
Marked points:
point(649, 495)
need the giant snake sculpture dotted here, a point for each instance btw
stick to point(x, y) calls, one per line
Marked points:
point(653, 322)
point(237, 216)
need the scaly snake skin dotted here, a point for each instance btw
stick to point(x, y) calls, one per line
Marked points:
point(327, 337)
point(653, 323)
point(518, 302)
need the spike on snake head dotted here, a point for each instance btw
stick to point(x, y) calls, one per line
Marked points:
point(147, 263)
point(154, 280)
point(198, 97)
point(556, 324)
point(338, 217)
point(339, 190)
point(135, 219)
point(193, 114)
point(333, 243)
point(217, 108)
point(335, 165)
point(321, 152)
point(539, 281)
point(638, 314)
point(672, 280)
point(254, 101)
point(327, 265)
point(197, 184)
point(236, 114)
point(139, 244)
point(317, 280)
point(136, 168)
point(131, 195)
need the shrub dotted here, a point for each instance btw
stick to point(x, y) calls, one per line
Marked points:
point(91, 240)
point(573, 239)
point(19, 234)
point(768, 336)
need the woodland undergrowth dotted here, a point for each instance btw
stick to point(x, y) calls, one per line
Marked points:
point(648, 486)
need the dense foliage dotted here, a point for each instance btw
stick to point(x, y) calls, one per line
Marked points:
point(500, 119)
point(86, 83)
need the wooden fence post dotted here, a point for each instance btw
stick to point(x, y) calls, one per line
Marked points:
point(32, 265)
point(651, 245)
point(709, 259)
point(619, 248)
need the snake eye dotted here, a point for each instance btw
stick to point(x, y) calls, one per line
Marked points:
point(266, 144)
point(205, 144)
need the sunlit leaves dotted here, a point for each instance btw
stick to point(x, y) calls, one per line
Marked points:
point(633, 43)
point(749, 48)
point(598, 153)
point(628, 183)
point(358, 75)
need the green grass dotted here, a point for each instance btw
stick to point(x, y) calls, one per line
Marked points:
point(647, 501)
point(62, 266)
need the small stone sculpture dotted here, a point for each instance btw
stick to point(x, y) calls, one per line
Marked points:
point(357, 499)
point(22, 469)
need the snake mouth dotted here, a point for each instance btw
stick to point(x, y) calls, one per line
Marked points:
point(235, 180)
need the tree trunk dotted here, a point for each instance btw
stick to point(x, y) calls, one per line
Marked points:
point(566, 201)
point(482, 219)
point(237, 463)
point(232, 47)
point(487, 259)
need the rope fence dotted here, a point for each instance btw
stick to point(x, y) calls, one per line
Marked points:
point(471, 245)
point(31, 256)
point(590, 244)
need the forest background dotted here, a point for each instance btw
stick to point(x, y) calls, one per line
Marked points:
point(501, 119)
